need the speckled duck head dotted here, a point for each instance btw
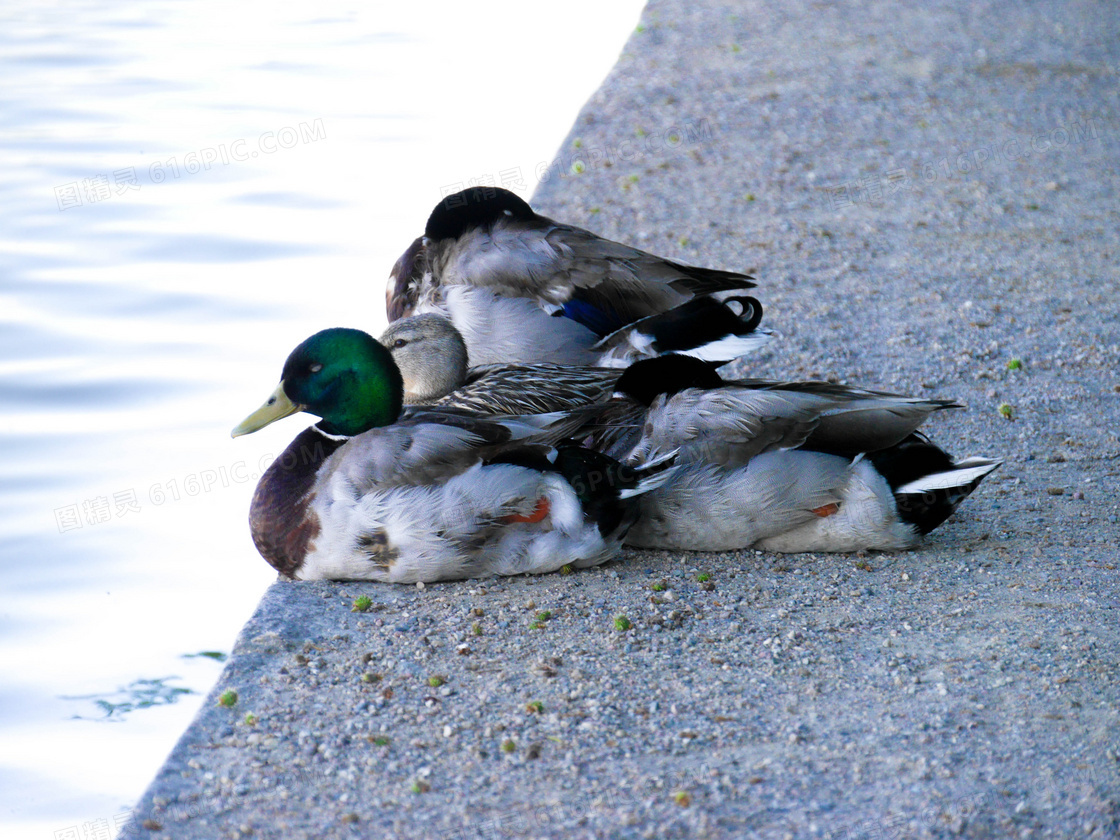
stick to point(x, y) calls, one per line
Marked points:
point(430, 354)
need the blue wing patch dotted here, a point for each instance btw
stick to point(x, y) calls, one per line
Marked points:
point(599, 322)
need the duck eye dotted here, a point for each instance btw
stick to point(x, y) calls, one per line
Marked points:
point(400, 342)
point(315, 368)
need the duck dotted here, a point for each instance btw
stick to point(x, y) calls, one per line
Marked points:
point(373, 491)
point(436, 362)
point(521, 287)
point(797, 466)
point(791, 467)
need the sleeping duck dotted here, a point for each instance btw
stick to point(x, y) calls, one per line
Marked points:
point(785, 466)
point(371, 493)
point(436, 363)
point(520, 287)
point(788, 467)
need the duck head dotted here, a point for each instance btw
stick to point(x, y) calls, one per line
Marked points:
point(343, 376)
point(670, 374)
point(430, 354)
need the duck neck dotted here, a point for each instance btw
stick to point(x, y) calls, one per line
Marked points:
point(439, 376)
point(280, 517)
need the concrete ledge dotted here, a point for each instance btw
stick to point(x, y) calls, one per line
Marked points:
point(925, 193)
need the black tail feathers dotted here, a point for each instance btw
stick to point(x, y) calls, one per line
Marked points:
point(928, 484)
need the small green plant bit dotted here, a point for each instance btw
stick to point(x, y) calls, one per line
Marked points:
point(622, 623)
point(508, 746)
point(420, 786)
point(435, 681)
point(682, 798)
point(251, 719)
point(1006, 412)
point(536, 707)
point(361, 603)
point(539, 622)
point(228, 699)
point(379, 740)
point(703, 577)
point(216, 655)
point(567, 569)
point(1015, 364)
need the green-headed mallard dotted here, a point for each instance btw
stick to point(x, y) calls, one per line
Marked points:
point(366, 494)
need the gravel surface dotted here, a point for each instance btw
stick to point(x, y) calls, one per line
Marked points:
point(925, 194)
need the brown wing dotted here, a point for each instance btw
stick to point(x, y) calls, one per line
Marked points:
point(531, 389)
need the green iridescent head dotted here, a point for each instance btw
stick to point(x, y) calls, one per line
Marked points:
point(343, 376)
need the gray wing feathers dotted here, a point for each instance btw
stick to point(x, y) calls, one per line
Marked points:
point(548, 260)
point(405, 454)
point(868, 428)
point(727, 426)
point(429, 446)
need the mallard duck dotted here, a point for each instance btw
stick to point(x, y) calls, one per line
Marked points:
point(432, 358)
point(435, 361)
point(786, 466)
point(714, 331)
point(370, 494)
point(522, 288)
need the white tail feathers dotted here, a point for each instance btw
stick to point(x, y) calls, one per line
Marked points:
point(730, 346)
point(652, 474)
point(964, 473)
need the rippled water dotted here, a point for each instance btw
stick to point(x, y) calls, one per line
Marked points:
point(189, 189)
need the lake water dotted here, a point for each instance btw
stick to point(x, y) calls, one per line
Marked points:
point(190, 189)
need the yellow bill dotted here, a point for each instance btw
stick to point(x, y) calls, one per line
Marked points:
point(275, 408)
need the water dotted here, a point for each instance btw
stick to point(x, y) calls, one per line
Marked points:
point(189, 189)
